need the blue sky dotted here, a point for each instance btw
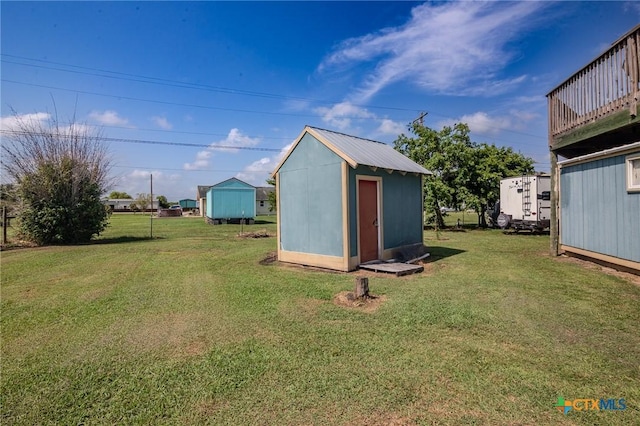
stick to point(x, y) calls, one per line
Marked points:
point(189, 78)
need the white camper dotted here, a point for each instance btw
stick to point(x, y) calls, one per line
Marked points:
point(525, 202)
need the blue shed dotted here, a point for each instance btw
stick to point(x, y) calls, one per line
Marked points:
point(600, 206)
point(343, 200)
point(188, 204)
point(232, 200)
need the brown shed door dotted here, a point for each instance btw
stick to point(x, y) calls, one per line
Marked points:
point(368, 216)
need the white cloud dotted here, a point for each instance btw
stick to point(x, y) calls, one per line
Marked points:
point(109, 118)
point(139, 181)
point(41, 120)
point(78, 129)
point(482, 123)
point(234, 140)
point(162, 122)
point(390, 127)
point(12, 122)
point(341, 114)
point(259, 171)
point(201, 162)
point(524, 116)
point(449, 48)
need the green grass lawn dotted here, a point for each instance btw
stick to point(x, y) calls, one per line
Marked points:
point(191, 328)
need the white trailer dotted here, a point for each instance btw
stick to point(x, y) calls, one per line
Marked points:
point(525, 202)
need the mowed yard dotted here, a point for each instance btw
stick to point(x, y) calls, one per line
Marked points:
point(195, 327)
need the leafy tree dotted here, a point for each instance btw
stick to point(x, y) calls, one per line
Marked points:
point(444, 153)
point(59, 171)
point(273, 203)
point(120, 195)
point(162, 202)
point(489, 164)
point(143, 201)
point(463, 171)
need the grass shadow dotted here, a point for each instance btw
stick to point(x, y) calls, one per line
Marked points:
point(264, 222)
point(437, 253)
point(123, 239)
point(525, 232)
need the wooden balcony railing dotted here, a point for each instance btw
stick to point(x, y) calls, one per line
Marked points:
point(608, 85)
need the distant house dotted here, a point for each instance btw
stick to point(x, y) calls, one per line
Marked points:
point(124, 204)
point(202, 199)
point(263, 207)
point(594, 124)
point(344, 200)
point(231, 200)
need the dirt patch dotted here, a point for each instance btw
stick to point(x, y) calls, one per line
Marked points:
point(16, 245)
point(256, 234)
point(627, 276)
point(195, 348)
point(386, 419)
point(210, 407)
point(347, 299)
point(270, 258)
point(176, 335)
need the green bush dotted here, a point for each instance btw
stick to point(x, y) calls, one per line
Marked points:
point(62, 205)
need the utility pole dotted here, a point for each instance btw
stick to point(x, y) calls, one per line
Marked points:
point(420, 118)
point(151, 217)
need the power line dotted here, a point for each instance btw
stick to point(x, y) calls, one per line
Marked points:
point(152, 142)
point(130, 98)
point(231, 109)
point(288, 138)
point(178, 170)
point(174, 83)
point(196, 86)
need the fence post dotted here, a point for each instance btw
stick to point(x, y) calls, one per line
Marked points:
point(4, 225)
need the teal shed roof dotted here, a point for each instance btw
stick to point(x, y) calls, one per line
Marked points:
point(232, 183)
point(359, 151)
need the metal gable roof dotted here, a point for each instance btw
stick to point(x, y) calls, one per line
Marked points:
point(262, 192)
point(358, 151)
point(231, 181)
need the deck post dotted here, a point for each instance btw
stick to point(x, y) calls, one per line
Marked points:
point(554, 225)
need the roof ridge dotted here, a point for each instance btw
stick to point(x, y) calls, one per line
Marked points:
point(345, 134)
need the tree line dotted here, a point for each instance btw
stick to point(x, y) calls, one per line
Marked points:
point(142, 200)
point(466, 174)
point(60, 170)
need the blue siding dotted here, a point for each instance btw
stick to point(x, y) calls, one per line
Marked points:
point(401, 208)
point(231, 199)
point(597, 212)
point(188, 203)
point(311, 200)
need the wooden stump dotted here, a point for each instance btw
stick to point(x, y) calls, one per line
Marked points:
point(362, 287)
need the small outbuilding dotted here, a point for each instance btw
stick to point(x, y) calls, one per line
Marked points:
point(263, 205)
point(231, 200)
point(188, 204)
point(344, 200)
